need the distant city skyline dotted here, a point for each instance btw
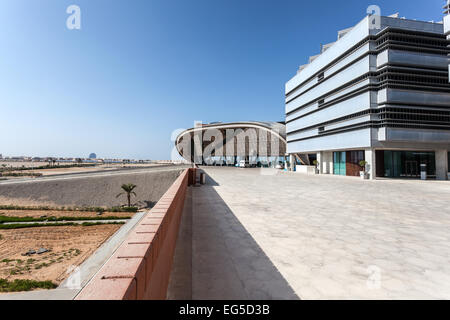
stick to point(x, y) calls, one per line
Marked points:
point(137, 71)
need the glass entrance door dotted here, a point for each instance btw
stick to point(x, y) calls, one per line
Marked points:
point(412, 168)
point(339, 163)
point(407, 163)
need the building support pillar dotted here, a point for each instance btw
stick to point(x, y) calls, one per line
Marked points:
point(319, 159)
point(327, 162)
point(371, 165)
point(292, 162)
point(441, 157)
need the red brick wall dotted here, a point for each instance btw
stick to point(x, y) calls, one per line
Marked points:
point(140, 268)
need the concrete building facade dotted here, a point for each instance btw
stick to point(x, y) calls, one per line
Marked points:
point(381, 94)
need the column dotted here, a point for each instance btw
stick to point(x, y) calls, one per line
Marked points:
point(371, 164)
point(319, 160)
point(441, 157)
point(292, 162)
point(327, 162)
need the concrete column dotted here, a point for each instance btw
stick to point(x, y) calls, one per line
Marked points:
point(441, 157)
point(327, 162)
point(292, 162)
point(320, 159)
point(371, 165)
point(330, 162)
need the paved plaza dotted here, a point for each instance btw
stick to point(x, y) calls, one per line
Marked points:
point(261, 235)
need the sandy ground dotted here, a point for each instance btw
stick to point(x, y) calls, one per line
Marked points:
point(91, 191)
point(49, 172)
point(31, 164)
point(55, 213)
point(57, 171)
point(69, 246)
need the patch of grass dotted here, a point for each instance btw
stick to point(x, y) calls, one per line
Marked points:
point(41, 265)
point(61, 166)
point(36, 225)
point(82, 209)
point(24, 285)
point(123, 209)
point(7, 260)
point(89, 224)
point(20, 174)
point(4, 219)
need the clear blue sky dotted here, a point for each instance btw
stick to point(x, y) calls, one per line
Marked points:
point(139, 69)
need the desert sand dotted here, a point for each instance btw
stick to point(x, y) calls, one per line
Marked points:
point(69, 246)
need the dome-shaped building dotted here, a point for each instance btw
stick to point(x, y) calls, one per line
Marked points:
point(227, 143)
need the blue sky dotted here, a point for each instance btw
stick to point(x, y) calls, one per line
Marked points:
point(140, 69)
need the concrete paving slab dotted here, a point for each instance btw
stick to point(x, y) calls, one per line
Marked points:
point(288, 235)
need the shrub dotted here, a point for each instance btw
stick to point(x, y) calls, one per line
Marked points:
point(20, 174)
point(4, 219)
point(63, 166)
point(83, 209)
point(123, 209)
point(24, 285)
point(57, 224)
point(363, 164)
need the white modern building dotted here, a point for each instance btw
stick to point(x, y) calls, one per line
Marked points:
point(380, 93)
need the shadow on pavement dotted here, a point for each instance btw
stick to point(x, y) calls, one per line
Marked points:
point(225, 261)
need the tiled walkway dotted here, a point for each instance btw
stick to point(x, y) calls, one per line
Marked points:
point(286, 236)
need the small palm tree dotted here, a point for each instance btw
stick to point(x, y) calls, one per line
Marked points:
point(363, 165)
point(128, 188)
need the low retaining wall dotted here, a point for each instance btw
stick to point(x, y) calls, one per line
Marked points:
point(305, 169)
point(140, 268)
point(91, 190)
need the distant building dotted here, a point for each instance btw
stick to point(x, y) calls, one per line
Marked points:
point(92, 156)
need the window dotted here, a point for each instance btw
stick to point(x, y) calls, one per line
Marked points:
point(356, 157)
point(320, 77)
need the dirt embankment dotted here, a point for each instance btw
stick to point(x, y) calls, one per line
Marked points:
point(93, 191)
point(68, 247)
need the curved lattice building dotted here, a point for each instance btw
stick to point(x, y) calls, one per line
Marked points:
point(226, 143)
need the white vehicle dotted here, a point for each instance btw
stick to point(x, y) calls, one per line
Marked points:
point(244, 164)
